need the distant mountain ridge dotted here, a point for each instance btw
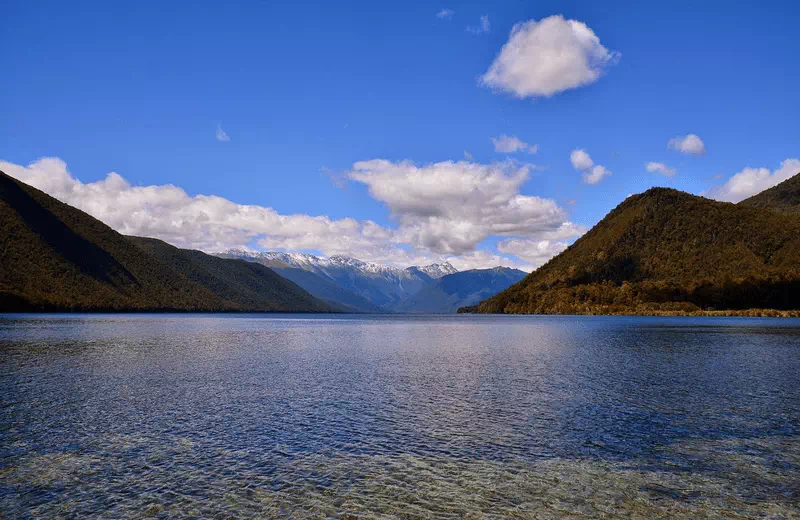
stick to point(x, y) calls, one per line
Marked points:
point(367, 287)
point(57, 258)
point(311, 262)
point(670, 251)
point(450, 292)
point(328, 290)
point(380, 286)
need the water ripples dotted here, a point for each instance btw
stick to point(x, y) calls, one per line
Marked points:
point(387, 417)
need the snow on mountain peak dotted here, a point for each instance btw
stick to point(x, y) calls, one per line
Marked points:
point(438, 270)
point(310, 262)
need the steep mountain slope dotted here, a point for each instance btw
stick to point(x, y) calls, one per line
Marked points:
point(668, 250)
point(785, 197)
point(384, 286)
point(250, 285)
point(450, 292)
point(328, 291)
point(436, 271)
point(56, 257)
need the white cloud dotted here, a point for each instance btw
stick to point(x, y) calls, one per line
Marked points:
point(450, 207)
point(547, 57)
point(445, 14)
point(512, 144)
point(690, 144)
point(580, 160)
point(221, 135)
point(565, 231)
point(595, 175)
point(659, 167)
point(592, 174)
point(204, 222)
point(535, 252)
point(444, 211)
point(482, 259)
point(751, 181)
point(483, 27)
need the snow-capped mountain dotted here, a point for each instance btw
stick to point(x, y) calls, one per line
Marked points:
point(438, 270)
point(384, 286)
point(310, 262)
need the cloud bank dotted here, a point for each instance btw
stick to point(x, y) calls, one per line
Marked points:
point(443, 211)
point(450, 207)
point(546, 57)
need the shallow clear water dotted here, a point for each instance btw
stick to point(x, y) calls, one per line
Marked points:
point(220, 416)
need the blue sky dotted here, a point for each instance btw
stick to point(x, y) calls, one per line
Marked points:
point(306, 90)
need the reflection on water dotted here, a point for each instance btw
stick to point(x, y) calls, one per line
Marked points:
point(386, 417)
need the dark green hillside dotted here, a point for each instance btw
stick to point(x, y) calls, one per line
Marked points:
point(57, 258)
point(785, 197)
point(665, 250)
point(246, 284)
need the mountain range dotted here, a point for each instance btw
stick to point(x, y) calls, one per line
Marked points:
point(662, 251)
point(449, 293)
point(353, 285)
point(666, 251)
point(58, 258)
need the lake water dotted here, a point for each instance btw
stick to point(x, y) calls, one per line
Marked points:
point(220, 416)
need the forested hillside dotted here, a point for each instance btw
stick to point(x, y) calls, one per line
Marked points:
point(57, 258)
point(665, 250)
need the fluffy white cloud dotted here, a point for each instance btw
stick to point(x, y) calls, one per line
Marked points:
point(203, 222)
point(661, 168)
point(445, 14)
point(512, 144)
point(750, 181)
point(482, 259)
point(580, 160)
point(549, 56)
point(690, 144)
point(596, 174)
point(449, 207)
point(444, 210)
point(592, 174)
point(535, 252)
point(483, 27)
point(221, 135)
point(565, 231)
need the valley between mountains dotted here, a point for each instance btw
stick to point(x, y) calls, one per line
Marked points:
point(659, 252)
point(56, 258)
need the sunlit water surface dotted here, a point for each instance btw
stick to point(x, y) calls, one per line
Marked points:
point(398, 417)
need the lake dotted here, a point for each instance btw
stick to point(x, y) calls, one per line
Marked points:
point(274, 416)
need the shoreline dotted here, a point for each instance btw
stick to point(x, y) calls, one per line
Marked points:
point(746, 313)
